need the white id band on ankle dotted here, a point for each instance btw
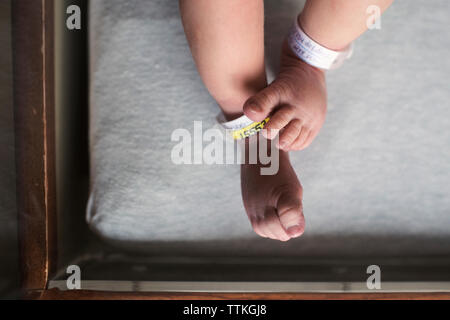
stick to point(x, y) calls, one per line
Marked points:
point(242, 127)
point(313, 53)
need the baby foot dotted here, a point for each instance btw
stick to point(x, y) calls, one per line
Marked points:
point(273, 202)
point(296, 102)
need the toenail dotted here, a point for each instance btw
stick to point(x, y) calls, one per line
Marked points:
point(254, 109)
point(294, 231)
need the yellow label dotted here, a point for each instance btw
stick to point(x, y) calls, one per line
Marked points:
point(249, 130)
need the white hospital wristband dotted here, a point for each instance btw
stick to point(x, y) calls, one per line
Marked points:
point(313, 53)
point(242, 127)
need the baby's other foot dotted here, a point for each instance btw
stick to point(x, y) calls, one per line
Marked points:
point(273, 202)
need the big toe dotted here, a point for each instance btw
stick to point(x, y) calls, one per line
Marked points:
point(290, 212)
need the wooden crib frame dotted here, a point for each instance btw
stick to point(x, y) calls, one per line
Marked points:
point(34, 102)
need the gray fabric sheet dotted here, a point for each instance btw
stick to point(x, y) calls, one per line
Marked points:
point(376, 180)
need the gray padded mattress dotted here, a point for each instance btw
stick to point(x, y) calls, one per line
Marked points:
point(376, 180)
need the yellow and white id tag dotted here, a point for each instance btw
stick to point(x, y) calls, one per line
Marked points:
point(242, 127)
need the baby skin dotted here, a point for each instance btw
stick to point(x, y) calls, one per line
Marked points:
point(296, 104)
point(232, 67)
point(226, 39)
point(273, 202)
